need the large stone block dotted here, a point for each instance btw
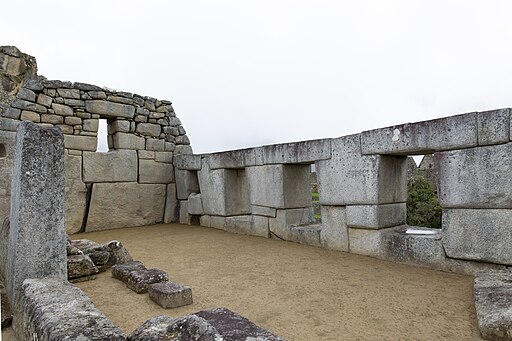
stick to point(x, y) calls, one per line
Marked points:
point(113, 166)
point(283, 226)
point(478, 234)
point(263, 211)
point(184, 215)
point(296, 152)
point(233, 159)
point(89, 143)
point(280, 186)
point(245, 224)
point(224, 192)
point(76, 194)
point(108, 109)
point(454, 132)
point(186, 183)
point(37, 238)
point(350, 178)
point(187, 161)
point(365, 242)
point(170, 294)
point(129, 204)
point(475, 178)
point(7, 139)
point(376, 216)
point(171, 213)
point(53, 309)
point(334, 234)
point(195, 205)
point(494, 127)
point(128, 141)
point(152, 172)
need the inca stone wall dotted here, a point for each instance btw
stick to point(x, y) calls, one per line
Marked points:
point(131, 185)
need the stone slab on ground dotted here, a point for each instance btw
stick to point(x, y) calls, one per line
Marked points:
point(80, 266)
point(53, 309)
point(165, 328)
point(118, 254)
point(170, 294)
point(139, 280)
point(122, 271)
point(493, 299)
point(37, 238)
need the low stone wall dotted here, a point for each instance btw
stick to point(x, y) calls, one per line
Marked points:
point(362, 185)
point(132, 184)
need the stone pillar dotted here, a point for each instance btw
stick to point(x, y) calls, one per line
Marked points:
point(37, 240)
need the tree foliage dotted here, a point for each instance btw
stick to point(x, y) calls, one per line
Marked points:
point(423, 208)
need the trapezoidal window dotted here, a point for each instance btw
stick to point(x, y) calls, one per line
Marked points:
point(102, 136)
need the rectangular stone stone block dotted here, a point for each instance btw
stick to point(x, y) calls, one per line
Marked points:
point(297, 152)
point(349, 178)
point(184, 215)
point(187, 161)
point(80, 142)
point(218, 222)
point(146, 154)
point(37, 238)
point(165, 157)
point(263, 211)
point(132, 204)
point(108, 109)
point(280, 186)
point(224, 192)
point(170, 295)
point(113, 166)
point(204, 220)
point(128, 141)
point(140, 280)
point(195, 205)
point(118, 126)
point(186, 183)
point(453, 132)
point(376, 216)
point(171, 205)
point(152, 172)
point(261, 226)
point(334, 233)
point(494, 127)
point(365, 242)
point(9, 124)
point(475, 178)
point(233, 159)
point(478, 234)
point(76, 194)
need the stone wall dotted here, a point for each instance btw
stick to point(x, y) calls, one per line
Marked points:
point(130, 185)
point(362, 185)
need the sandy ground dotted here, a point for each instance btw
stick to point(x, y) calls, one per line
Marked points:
point(295, 291)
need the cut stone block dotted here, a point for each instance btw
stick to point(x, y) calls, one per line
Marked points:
point(350, 178)
point(493, 299)
point(218, 222)
point(135, 205)
point(454, 132)
point(62, 110)
point(263, 211)
point(280, 186)
point(376, 216)
point(170, 295)
point(233, 159)
point(292, 224)
point(113, 166)
point(80, 142)
point(152, 172)
point(117, 126)
point(195, 206)
point(7, 139)
point(334, 233)
point(184, 215)
point(165, 328)
point(224, 192)
point(186, 183)
point(475, 178)
point(37, 238)
point(478, 234)
point(187, 161)
point(80, 266)
point(128, 141)
point(155, 144)
point(100, 258)
point(297, 152)
point(53, 309)
point(365, 242)
point(4, 244)
point(261, 226)
point(165, 157)
point(171, 211)
point(122, 271)
point(245, 225)
point(494, 127)
point(116, 249)
point(109, 109)
point(139, 280)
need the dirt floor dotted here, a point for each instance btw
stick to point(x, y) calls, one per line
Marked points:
point(297, 292)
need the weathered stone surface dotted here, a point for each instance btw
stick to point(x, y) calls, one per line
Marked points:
point(263, 211)
point(165, 328)
point(113, 166)
point(155, 144)
point(184, 216)
point(128, 141)
point(494, 127)
point(122, 271)
point(181, 149)
point(454, 132)
point(11, 112)
point(152, 172)
point(366, 242)
point(88, 143)
point(37, 239)
point(493, 299)
point(188, 162)
point(297, 152)
point(186, 183)
point(334, 233)
point(30, 106)
point(170, 295)
point(290, 224)
point(171, 205)
point(91, 125)
point(72, 120)
point(30, 116)
point(149, 129)
point(475, 178)
point(376, 216)
point(109, 109)
point(86, 87)
point(478, 234)
point(165, 157)
point(195, 205)
point(350, 178)
point(62, 110)
point(53, 309)
point(122, 126)
point(260, 226)
point(233, 159)
point(224, 192)
point(135, 205)
point(6, 161)
point(116, 249)
point(139, 280)
point(245, 225)
point(280, 186)
point(53, 119)
point(26, 94)
point(80, 266)
point(76, 194)
point(8, 124)
point(146, 154)
point(84, 244)
point(69, 93)
point(4, 244)
point(44, 100)
point(6, 312)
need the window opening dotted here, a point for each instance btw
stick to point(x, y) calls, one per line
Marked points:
point(102, 136)
point(314, 196)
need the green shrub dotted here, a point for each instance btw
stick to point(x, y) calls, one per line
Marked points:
point(423, 208)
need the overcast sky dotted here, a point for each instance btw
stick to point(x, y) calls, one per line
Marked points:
point(247, 73)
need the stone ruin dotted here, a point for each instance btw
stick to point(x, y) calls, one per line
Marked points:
point(152, 175)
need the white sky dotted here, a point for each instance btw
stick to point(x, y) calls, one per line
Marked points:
point(246, 73)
